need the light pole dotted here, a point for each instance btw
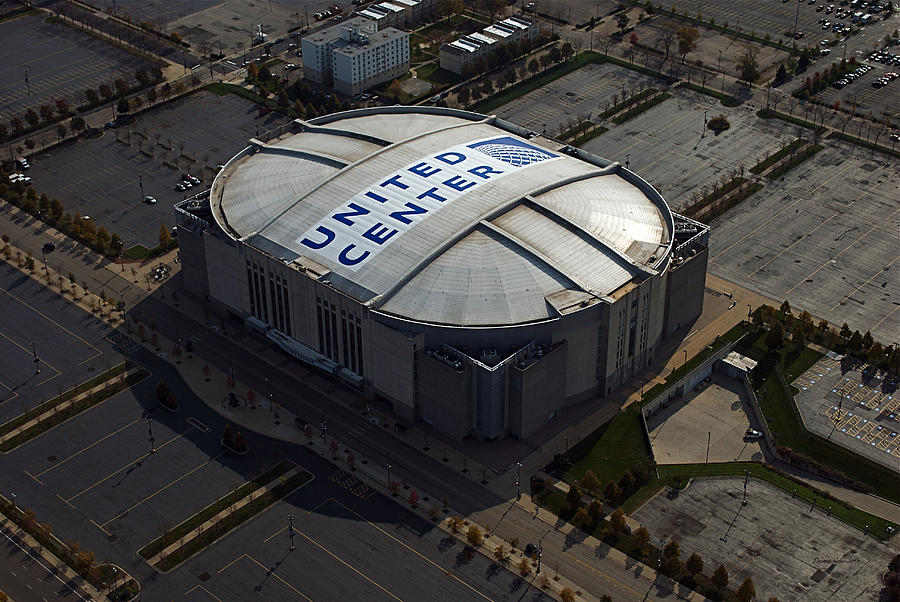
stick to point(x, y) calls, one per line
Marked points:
point(685, 358)
point(291, 530)
point(708, 436)
point(388, 467)
point(518, 474)
point(150, 433)
point(27, 83)
point(324, 427)
point(540, 553)
point(746, 478)
point(749, 311)
point(141, 184)
point(269, 394)
point(703, 133)
point(722, 72)
point(37, 362)
point(627, 160)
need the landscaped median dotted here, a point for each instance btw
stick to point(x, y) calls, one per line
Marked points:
point(222, 516)
point(60, 408)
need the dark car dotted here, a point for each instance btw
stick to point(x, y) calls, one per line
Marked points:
point(48, 247)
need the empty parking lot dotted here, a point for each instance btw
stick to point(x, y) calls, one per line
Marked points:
point(108, 177)
point(790, 551)
point(61, 62)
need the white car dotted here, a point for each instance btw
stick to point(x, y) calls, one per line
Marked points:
point(149, 200)
point(194, 181)
point(180, 186)
point(753, 434)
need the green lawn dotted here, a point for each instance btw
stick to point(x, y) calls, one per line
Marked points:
point(433, 73)
point(610, 450)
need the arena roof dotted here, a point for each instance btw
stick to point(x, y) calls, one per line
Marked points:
point(443, 216)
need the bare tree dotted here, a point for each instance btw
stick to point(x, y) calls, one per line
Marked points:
point(667, 36)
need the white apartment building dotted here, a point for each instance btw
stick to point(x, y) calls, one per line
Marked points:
point(355, 56)
point(456, 55)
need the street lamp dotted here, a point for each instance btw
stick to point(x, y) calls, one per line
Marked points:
point(291, 530)
point(324, 427)
point(627, 160)
point(703, 133)
point(37, 362)
point(141, 184)
point(27, 83)
point(388, 467)
point(749, 311)
point(269, 394)
point(150, 433)
point(685, 358)
point(518, 474)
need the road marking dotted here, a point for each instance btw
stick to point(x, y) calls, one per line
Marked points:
point(215, 597)
point(29, 353)
point(138, 459)
point(891, 313)
point(63, 461)
point(108, 534)
point(60, 326)
point(416, 552)
point(43, 566)
point(755, 230)
point(817, 270)
point(274, 574)
point(33, 477)
point(802, 238)
point(161, 489)
point(67, 502)
point(604, 575)
point(881, 271)
point(345, 563)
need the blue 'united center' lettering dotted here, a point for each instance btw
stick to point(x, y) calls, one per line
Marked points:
point(397, 203)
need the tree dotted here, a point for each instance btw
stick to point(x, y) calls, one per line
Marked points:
point(581, 518)
point(642, 535)
point(252, 71)
point(667, 36)
point(611, 492)
point(524, 567)
point(61, 132)
point(92, 96)
point(845, 331)
point(567, 595)
point(227, 435)
point(454, 523)
point(595, 511)
point(617, 521)
point(626, 482)
point(775, 337)
point(633, 39)
point(463, 95)
point(500, 553)
point(474, 536)
point(240, 443)
point(687, 41)
point(32, 118)
point(413, 498)
point(781, 74)
point(122, 106)
point(674, 566)
point(105, 91)
point(672, 550)
point(720, 577)
point(622, 21)
point(746, 591)
point(748, 65)
point(395, 89)
point(165, 237)
point(77, 124)
point(151, 96)
point(62, 107)
point(573, 497)
point(567, 51)
point(695, 564)
point(590, 481)
point(532, 66)
point(121, 86)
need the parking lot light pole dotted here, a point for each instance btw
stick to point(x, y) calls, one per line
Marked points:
point(518, 475)
point(141, 184)
point(324, 428)
point(150, 433)
point(388, 467)
point(37, 362)
point(291, 530)
point(749, 312)
point(27, 83)
point(703, 132)
point(269, 394)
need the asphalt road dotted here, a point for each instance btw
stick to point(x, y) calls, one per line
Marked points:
point(25, 577)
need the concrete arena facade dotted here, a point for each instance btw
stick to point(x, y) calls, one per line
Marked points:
point(474, 274)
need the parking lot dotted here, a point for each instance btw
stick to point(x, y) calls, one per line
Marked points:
point(718, 415)
point(61, 62)
point(879, 101)
point(824, 237)
point(108, 177)
point(859, 410)
point(37, 320)
point(790, 550)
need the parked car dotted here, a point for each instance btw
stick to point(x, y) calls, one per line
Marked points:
point(49, 247)
point(149, 200)
point(752, 434)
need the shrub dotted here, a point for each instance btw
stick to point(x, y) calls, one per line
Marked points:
point(718, 124)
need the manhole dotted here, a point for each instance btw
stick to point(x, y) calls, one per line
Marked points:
point(204, 577)
point(51, 458)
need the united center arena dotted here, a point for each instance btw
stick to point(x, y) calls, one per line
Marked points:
point(473, 274)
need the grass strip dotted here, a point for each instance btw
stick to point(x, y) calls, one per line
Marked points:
point(574, 131)
point(232, 521)
point(726, 99)
point(865, 143)
point(718, 209)
point(644, 106)
point(611, 449)
point(72, 410)
point(771, 160)
point(793, 162)
point(64, 397)
point(770, 114)
point(221, 89)
point(626, 103)
point(172, 535)
point(597, 131)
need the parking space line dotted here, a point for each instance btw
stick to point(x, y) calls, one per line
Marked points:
point(132, 462)
point(277, 576)
point(29, 353)
point(346, 564)
point(886, 317)
point(58, 325)
point(881, 271)
point(785, 250)
point(416, 552)
point(227, 566)
point(764, 224)
point(33, 477)
point(104, 438)
point(212, 595)
point(163, 488)
point(828, 262)
point(66, 501)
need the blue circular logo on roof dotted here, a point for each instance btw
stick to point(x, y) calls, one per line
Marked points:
point(512, 151)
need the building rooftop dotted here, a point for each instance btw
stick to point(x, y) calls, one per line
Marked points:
point(361, 200)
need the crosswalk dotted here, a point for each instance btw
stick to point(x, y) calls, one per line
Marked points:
point(351, 484)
